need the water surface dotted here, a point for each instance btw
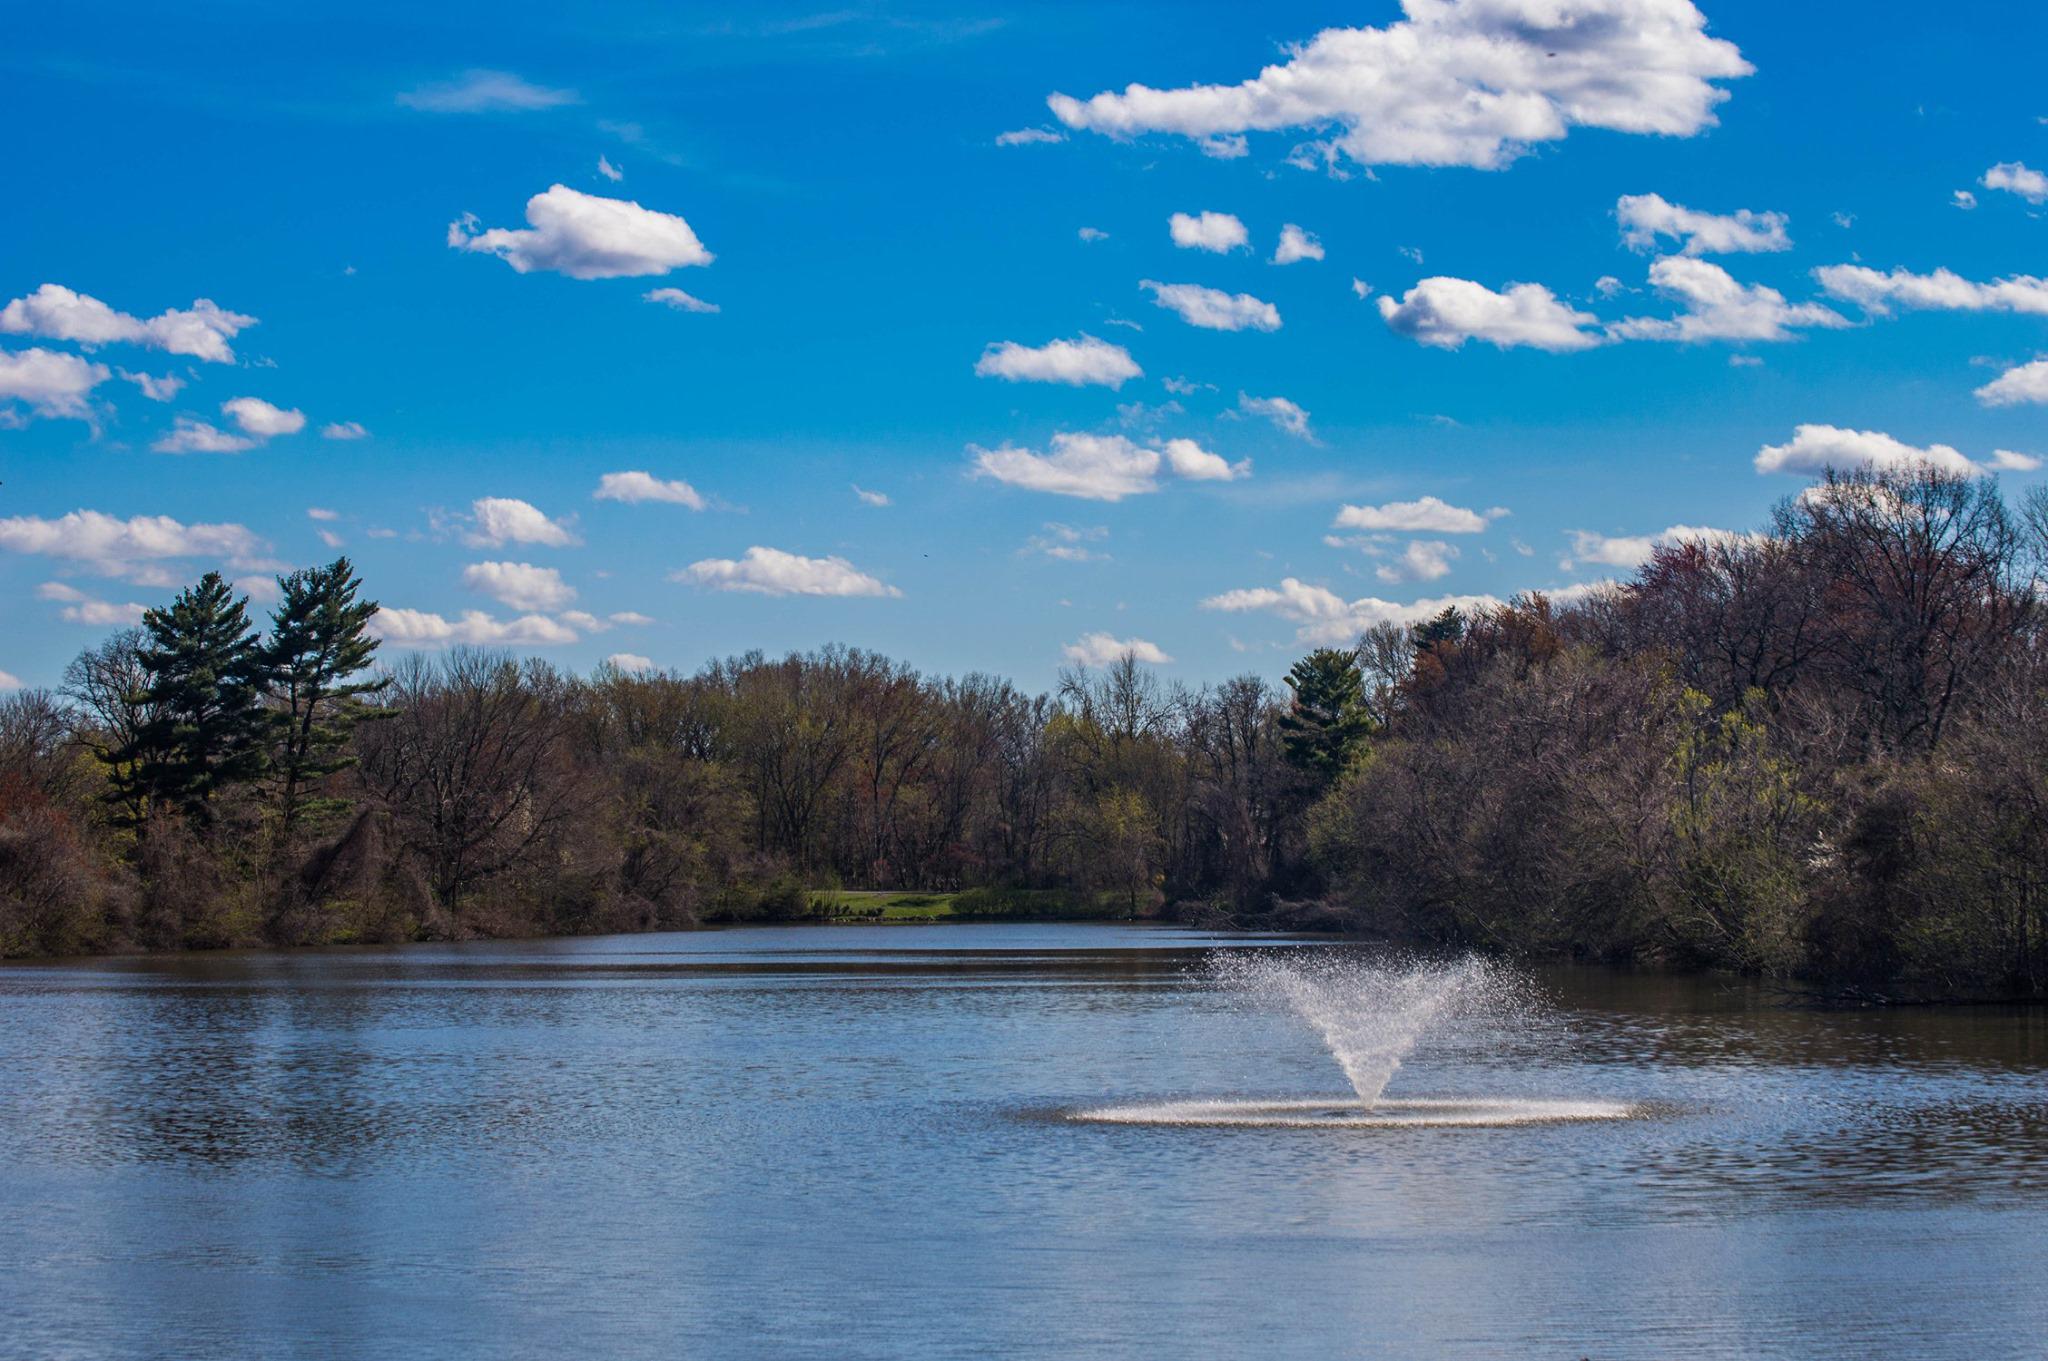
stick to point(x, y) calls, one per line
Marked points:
point(855, 1142)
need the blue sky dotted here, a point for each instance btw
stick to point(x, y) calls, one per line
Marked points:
point(837, 185)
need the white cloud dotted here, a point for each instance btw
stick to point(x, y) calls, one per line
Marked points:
point(1100, 649)
point(635, 487)
point(1213, 309)
point(1421, 560)
point(1360, 289)
point(1964, 199)
point(504, 519)
point(1323, 616)
point(2014, 178)
point(259, 418)
point(1447, 312)
point(1092, 234)
point(1286, 414)
point(80, 608)
point(1030, 137)
point(485, 92)
point(190, 436)
point(49, 382)
point(1102, 467)
point(1077, 363)
point(126, 548)
point(870, 498)
point(1296, 244)
point(2010, 461)
point(155, 388)
point(330, 538)
point(1429, 515)
point(321, 513)
point(630, 662)
point(677, 300)
point(520, 585)
point(1813, 449)
point(1942, 291)
point(1217, 232)
point(608, 170)
point(9, 681)
point(1458, 82)
point(770, 571)
point(57, 313)
point(343, 430)
point(421, 628)
point(2028, 383)
point(628, 617)
point(586, 237)
point(1067, 543)
point(1645, 217)
point(1720, 308)
point(1631, 551)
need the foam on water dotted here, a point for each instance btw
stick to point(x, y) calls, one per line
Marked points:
point(1339, 1114)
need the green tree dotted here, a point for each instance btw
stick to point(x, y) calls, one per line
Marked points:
point(1329, 722)
point(203, 671)
point(319, 645)
point(1447, 627)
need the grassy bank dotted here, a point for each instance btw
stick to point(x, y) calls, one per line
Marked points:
point(854, 906)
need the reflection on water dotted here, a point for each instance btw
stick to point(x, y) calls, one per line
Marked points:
point(844, 1142)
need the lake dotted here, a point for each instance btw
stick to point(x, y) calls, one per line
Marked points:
point(842, 1142)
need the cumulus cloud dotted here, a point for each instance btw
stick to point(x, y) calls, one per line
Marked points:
point(2028, 383)
point(9, 681)
point(1941, 291)
point(155, 388)
point(1428, 515)
point(1030, 137)
point(190, 436)
point(1720, 308)
point(1447, 312)
point(1216, 232)
point(2008, 461)
point(503, 519)
point(2014, 178)
point(630, 662)
point(126, 548)
point(259, 418)
point(1296, 244)
point(48, 382)
point(1964, 199)
point(1322, 616)
point(678, 301)
point(1421, 560)
point(1646, 217)
point(608, 170)
point(80, 608)
point(321, 513)
point(485, 92)
point(770, 571)
point(1288, 415)
point(1813, 449)
point(1077, 363)
point(1458, 82)
point(635, 487)
point(586, 237)
point(1092, 234)
point(1213, 309)
point(1103, 467)
point(477, 628)
point(520, 585)
point(343, 430)
point(870, 498)
point(1633, 550)
point(1101, 649)
point(57, 313)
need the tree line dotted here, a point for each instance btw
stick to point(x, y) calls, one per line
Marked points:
point(1815, 750)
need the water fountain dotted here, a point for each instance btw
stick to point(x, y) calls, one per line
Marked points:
point(1371, 1013)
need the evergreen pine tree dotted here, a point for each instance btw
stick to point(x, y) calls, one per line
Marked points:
point(203, 673)
point(1447, 627)
point(1328, 723)
point(319, 643)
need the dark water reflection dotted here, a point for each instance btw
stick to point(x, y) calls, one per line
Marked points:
point(848, 1143)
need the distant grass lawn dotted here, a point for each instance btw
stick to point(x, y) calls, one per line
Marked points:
point(974, 904)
